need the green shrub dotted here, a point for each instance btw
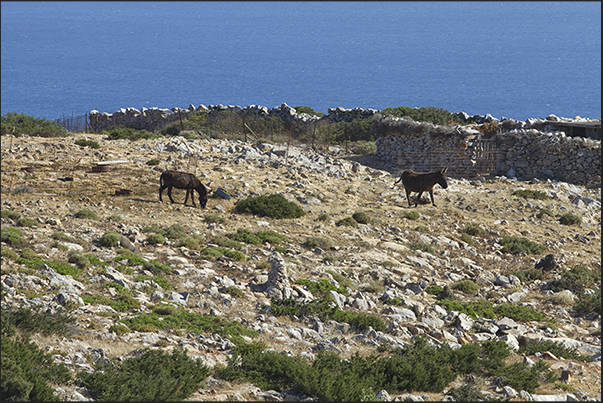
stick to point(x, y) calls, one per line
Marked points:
point(154, 375)
point(361, 217)
point(317, 242)
point(13, 215)
point(324, 311)
point(467, 239)
point(271, 237)
point(323, 217)
point(117, 133)
point(29, 373)
point(27, 222)
point(155, 239)
point(570, 219)
point(517, 245)
point(588, 304)
point(434, 289)
point(87, 143)
point(556, 348)
point(156, 268)
point(437, 116)
point(116, 217)
point(12, 236)
point(321, 287)
point(422, 228)
point(110, 239)
point(545, 211)
point(119, 329)
point(246, 236)
point(153, 162)
point(28, 254)
point(421, 246)
point(411, 215)
point(472, 308)
point(80, 260)
point(575, 280)
point(193, 322)
point(341, 279)
point(466, 286)
point(19, 124)
point(85, 213)
point(529, 275)
point(234, 291)
point(521, 376)
point(61, 236)
point(308, 110)
point(216, 253)
point(226, 242)
point(212, 218)
point(174, 231)
point(531, 194)
point(273, 206)
point(347, 222)
point(364, 147)
point(8, 253)
point(474, 230)
point(519, 313)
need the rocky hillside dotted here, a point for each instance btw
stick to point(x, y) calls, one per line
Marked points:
point(396, 255)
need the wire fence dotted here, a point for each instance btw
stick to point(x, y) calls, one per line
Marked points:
point(74, 124)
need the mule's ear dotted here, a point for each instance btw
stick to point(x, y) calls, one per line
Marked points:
point(443, 170)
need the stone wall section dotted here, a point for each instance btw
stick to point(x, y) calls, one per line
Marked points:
point(523, 153)
point(527, 150)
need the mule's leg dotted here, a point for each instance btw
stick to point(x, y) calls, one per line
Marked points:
point(192, 194)
point(408, 197)
point(161, 191)
point(418, 198)
point(432, 200)
point(170, 194)
point(187, 194)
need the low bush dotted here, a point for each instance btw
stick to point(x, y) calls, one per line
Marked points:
point(29, 373)
point(19, 124)
point(421, 246)
point(154, 375)
point(474, 230)
point(321, 287)
point(545, 211)
point(317, 242)
point(87, 143)
point(466, 286)
point(153, 162)
point(212, 218)
point(347, 222)
point(13, 215)
point(116, 133)
point(163, 319)
point(517, 245)
point(570, 219)
point(411, 215)
point(86, 213)
point(12, 236)
point(110, 239)
point(361, 217)
point(154, 239)
point(556, 348)
point(588, 304)
point(531, 194)
point(27, 222)
point(273, 206)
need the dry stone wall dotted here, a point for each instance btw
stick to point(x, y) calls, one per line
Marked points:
point(524, 153)
point(525, 150)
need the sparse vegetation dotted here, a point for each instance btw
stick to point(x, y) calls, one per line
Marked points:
point(411, 215)
point(110, 239)
point(87, 143)
point(347, 222)
point(86, 213)
point(531, 194)
point(361, 217)
point(517, 245)
point(19, 124)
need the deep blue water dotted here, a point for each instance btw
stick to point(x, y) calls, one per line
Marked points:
point(509, 59)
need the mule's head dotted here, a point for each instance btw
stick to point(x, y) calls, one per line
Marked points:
point(442, 178)
point(202, 190)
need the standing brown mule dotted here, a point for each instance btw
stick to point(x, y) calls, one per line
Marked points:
point(422, 182)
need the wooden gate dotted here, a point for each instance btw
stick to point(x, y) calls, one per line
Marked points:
point(487, 156)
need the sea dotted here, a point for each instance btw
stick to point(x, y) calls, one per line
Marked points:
point(510, 59)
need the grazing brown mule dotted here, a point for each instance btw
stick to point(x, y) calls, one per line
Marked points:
point(422, 182)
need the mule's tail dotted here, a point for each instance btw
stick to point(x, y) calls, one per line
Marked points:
point(396, 182)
